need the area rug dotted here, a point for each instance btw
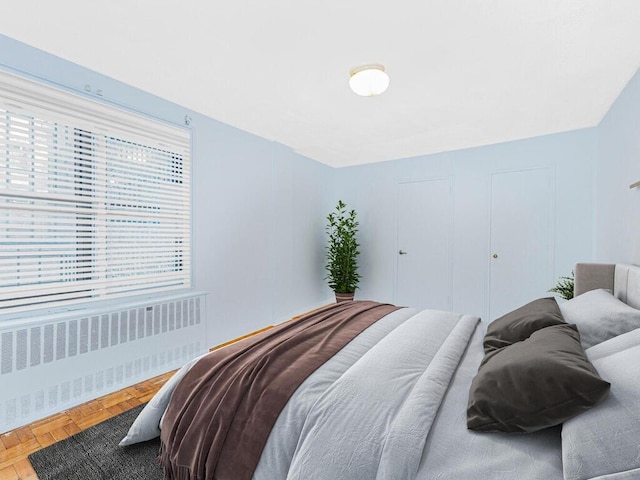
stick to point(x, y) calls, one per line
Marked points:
point(94, 454)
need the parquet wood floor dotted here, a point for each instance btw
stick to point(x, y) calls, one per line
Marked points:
point(16, 445)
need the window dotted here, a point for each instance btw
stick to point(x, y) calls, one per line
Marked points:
point(94, 200)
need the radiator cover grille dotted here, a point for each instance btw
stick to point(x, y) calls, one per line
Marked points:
point(47, 365)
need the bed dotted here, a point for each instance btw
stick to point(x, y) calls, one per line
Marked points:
point(423, 395)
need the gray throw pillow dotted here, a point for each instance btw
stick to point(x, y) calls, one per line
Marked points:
point(519, 324)
point(534, 384)
point(600, 316)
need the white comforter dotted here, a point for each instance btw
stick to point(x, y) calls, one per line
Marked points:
point(370, 422)
point(391, 405)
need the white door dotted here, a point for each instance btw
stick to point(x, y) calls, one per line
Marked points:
point(425, 220)
point(521, 256)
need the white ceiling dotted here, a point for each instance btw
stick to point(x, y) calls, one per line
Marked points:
point(463, 73)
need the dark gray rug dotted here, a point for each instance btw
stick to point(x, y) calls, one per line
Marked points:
point(94, 454)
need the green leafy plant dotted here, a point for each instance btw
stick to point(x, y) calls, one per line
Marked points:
point(564, 287)
point(342, 250)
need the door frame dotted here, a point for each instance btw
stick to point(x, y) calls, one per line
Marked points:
point(552, 224)
point(451, 256)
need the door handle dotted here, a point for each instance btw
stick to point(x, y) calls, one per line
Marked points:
point(402, 252)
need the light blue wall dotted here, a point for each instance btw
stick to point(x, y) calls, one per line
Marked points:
point(372, 191)
point(258, 208)
point(258, 229)
point(618, 165)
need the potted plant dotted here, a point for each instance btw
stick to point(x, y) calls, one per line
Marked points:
point(564, 287)
point(342, 252)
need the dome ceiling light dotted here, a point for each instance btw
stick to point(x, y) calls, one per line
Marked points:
point(369, 80)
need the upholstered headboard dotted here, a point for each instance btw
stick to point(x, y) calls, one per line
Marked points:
point(623, 280)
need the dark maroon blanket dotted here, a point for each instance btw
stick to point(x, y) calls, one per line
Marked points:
point(222, 412)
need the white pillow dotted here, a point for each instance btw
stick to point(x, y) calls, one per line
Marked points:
point(615, 344)
point(603, 442)
point(599, 316)
point(147, 424)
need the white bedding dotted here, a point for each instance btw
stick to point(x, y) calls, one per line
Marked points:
point(392, 404)
point(371, 423)
point(454, 452)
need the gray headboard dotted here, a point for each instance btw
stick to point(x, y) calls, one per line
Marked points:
point(623, 280)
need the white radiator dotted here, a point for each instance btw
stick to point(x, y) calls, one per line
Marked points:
point(50, 364)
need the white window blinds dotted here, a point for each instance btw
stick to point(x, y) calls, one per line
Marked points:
point(94, 200)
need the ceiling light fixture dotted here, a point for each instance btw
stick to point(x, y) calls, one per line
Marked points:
point(368, 80)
